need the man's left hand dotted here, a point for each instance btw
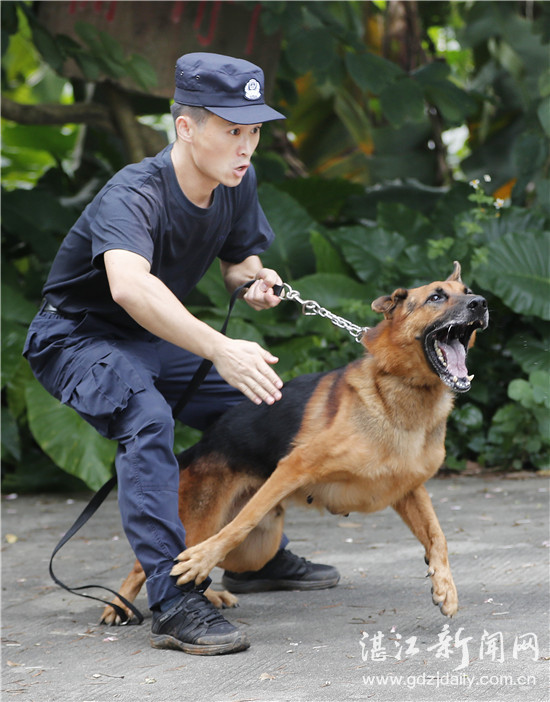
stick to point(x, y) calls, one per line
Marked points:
point(260, 295)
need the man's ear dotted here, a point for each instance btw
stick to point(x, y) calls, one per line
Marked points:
point(184, 127)
point(387, 303)
point(455, 275)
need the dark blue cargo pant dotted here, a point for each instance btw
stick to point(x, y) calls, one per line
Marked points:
point(126, 385)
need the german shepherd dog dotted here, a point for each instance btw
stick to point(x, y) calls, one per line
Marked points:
point(359, 438)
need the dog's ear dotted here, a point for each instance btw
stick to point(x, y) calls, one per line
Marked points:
point(387, 303)
point(455, 275)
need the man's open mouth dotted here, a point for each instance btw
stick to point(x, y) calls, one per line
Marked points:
point(446, 348)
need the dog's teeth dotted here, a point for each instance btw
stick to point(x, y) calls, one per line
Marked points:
point(470, 377)
point(455, 379)
point(440, 355)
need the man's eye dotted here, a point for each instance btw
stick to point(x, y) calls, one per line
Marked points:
point(235, 132)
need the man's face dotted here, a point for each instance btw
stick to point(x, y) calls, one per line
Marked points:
point(221, 151)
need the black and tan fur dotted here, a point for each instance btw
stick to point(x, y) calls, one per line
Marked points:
point(361, 438)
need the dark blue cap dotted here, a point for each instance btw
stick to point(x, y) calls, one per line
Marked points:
point(228, 87)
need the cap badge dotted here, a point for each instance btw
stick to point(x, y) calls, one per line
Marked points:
point(252, 90)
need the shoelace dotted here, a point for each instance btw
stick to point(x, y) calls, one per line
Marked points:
point(208, 614)
point(299, 564)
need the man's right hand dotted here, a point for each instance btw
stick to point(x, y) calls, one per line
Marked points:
point(247, 366)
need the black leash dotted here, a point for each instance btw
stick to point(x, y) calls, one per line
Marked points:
point(96, 501)
point(87, 512)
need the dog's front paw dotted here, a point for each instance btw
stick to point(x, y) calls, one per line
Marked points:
point(194, 564)
point(221, 598)
point(444, 593)
point(112, 618)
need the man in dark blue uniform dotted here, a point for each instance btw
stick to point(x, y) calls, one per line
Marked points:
point(114, 340)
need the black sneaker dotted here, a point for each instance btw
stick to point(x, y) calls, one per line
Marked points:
point(194, 625)
point(285, 571)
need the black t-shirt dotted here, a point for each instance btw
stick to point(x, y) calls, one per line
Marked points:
point(142, 209)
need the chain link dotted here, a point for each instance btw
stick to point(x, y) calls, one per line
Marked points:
point(312, 308)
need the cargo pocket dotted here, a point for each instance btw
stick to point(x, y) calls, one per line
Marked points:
point(103, 390)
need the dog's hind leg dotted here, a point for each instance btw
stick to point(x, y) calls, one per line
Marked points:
point(129, 589)
point(417, 512)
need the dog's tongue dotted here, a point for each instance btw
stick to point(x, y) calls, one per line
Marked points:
point(455, 355)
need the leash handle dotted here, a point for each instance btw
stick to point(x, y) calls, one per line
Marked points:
point(85, 515)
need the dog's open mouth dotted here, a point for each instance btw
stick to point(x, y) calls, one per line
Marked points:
point(446, 349)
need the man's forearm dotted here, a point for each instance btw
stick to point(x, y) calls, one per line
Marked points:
point(235, 274)
point(158, 310)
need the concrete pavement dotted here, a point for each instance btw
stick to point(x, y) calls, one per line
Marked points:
point(375, 636)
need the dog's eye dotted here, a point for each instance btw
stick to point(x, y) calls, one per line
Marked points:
point(436, 297)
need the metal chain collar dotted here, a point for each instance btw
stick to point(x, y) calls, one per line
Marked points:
point(312, 308)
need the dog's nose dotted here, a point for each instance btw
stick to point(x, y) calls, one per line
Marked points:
point(476, 302)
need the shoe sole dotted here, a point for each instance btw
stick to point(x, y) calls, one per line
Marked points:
point(251, 586)
point(170, 642)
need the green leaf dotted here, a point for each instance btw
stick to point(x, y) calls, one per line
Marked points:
point(322, 198)
point(240, 329)
point(89, 66)
point(409, 192)
point(520, 391)
point(13, 338)
point(314, 50)
point(415, 227)
point(330, 290)
point(10, 22)
point(47, 46)
point(112, 47)
point(292, 352)
point(454, 104)
point(11, 443)
point(15, 307)
point(543, 195)
point(184, 437)
point(540, 382)
point(15, 389)
point(67, 439)
point(327, 257)
point(531, 353)
point(34, 216)
point(432, 72)
point(291, 254)
point(89, 34)
point(141, 71)
point(403, 101)
point(365, 248)
point(468, 418)
point(543, 112)
point(353, 117)
point(212, 285)
point(371, 72)
point(518, 271)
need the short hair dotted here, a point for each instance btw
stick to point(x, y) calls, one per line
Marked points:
point(197, 113)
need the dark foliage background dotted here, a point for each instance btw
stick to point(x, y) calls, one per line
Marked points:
point(417, 133)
